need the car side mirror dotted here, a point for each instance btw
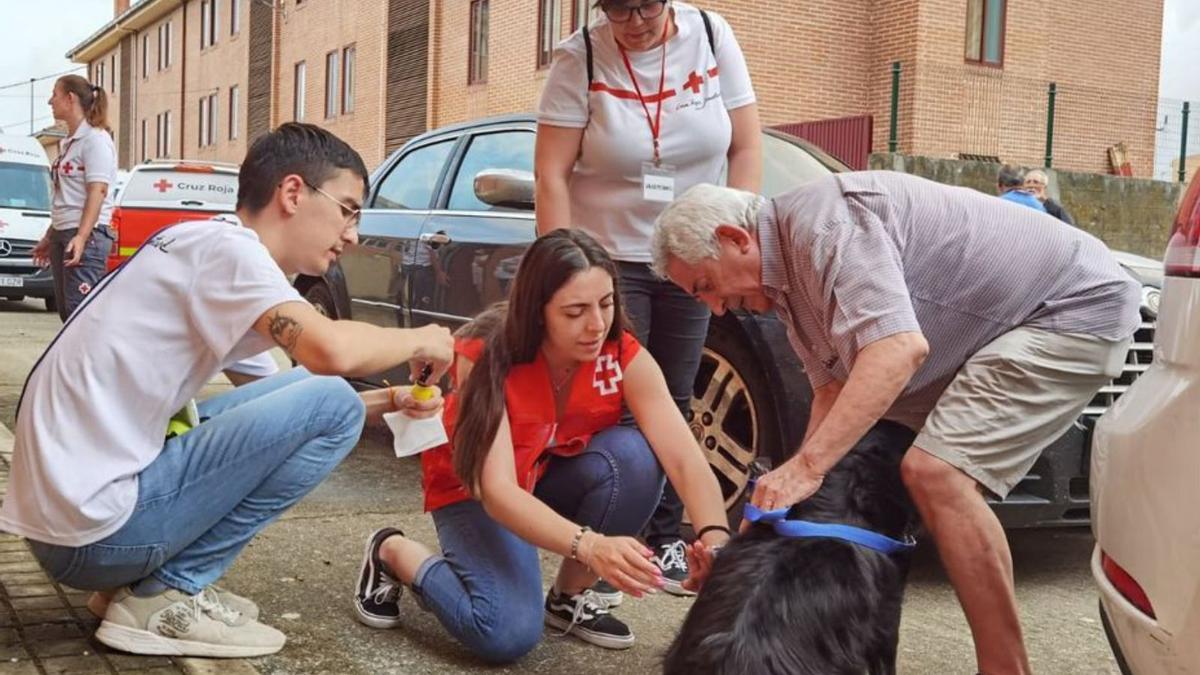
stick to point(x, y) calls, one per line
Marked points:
point(505, 188)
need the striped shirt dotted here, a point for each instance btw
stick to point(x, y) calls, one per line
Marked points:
point(853, 258)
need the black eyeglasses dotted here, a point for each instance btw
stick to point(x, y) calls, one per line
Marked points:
point(349, 213)
point(649, 10)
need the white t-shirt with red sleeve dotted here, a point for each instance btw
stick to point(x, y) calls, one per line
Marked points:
point(699, 90)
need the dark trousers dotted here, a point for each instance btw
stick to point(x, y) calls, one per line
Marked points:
point(72, 284)
point(672, 325)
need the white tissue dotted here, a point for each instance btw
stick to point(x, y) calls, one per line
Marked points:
point(412, 436)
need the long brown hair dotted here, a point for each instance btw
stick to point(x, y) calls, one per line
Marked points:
point(92, 99)
point(551, 261)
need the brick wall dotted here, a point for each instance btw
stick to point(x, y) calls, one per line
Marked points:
point(830, 59)
point(215, 69)
point(311, 30)
point(159, 91)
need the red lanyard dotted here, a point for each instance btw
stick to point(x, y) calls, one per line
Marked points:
point(656, 123)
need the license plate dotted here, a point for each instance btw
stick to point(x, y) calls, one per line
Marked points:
point(11, 282)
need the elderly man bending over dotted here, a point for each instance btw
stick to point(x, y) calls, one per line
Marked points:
point(983, 325)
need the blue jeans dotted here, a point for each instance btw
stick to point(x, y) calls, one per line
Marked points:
point(486, 587)
point(264, 446)
point(673, 326)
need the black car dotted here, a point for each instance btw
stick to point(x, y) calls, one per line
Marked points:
point(448, 217)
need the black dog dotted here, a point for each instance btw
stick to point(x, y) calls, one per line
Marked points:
point(783, 606)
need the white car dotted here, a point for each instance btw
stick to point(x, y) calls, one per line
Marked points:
point(1145, 482)
point(25, 194)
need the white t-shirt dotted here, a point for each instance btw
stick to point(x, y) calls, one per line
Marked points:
point(606, 185)
point(95, 408)
point(88, 156)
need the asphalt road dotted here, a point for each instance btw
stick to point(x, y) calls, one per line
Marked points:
point(302, 569)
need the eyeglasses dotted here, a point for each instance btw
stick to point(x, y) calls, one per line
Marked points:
point(649, 10)
point(350, 214)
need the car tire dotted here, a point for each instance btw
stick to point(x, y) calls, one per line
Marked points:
point(51, 305)
point(319, 296)
point(1118, 655)
point(732, 415)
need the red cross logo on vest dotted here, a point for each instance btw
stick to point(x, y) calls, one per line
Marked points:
point(693, 82)
point(162, 185)
point(608, 374)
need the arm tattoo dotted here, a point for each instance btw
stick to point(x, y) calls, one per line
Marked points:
point(285, 331)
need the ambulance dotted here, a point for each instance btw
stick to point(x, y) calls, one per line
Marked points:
point(159, 193)
point(25, 197)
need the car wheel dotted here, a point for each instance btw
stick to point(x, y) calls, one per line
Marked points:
point(321, 299)
point(51, 305)
point(1112, 642)
point(732, 414)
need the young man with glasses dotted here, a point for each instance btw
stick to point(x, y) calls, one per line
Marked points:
point(152, 524)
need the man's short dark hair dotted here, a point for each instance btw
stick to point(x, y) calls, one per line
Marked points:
point(1011, 177)
point(306, 150)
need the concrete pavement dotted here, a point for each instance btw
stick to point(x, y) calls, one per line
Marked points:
point(301, 571)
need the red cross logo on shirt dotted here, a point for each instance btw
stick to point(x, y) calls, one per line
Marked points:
point(693, 82)
point(68, 168)
point(162, 185)
point(608, 374)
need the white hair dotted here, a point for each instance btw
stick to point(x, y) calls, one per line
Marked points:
point(686, 229)
point(1038, 176)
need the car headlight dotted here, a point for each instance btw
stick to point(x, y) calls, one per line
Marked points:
point(1151, 297)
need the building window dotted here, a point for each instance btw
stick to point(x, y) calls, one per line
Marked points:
point(548, 30)
point(985, 31)
point(348, 79)
point(477, 58)
point(162, 145)
point(112, 74)
point(208, 23)
point(144, 156)
point(208, 120)
point(164, 46)
point(235, 17)
point(580, 14)
point(331, 84)
point(145, 57)
point(298, 83)
point(233, 112)
point(98, 77)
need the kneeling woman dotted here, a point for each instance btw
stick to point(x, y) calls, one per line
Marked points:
point(537, 460)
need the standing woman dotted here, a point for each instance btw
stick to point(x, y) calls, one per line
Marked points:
point(77, 244)
point(652, 98)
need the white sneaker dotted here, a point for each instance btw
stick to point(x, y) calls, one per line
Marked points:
point(173, 623)
point(97, 603)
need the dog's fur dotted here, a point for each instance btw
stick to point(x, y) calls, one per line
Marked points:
point(783, 606)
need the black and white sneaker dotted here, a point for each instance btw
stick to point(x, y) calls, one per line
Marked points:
point(672, 562)
point(586, 618)
point(607, 594)
point(377, 595)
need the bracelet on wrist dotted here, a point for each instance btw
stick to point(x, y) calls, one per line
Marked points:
point(709, 528)
point(576, 540)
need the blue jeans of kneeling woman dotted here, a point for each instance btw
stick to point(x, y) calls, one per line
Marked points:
point(486, 587)
point(263, 447)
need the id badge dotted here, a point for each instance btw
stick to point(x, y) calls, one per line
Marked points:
point(658, 182)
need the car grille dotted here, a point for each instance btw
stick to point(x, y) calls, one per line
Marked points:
point(1141, 353)
point(21, 248)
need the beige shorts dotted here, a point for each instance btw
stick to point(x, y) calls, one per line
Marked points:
point(1014, 397)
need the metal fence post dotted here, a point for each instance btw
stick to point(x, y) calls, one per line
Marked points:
point(1052, 95)
point(893, 130)
point(1187, 108)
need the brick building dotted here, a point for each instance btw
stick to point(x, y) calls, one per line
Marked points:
point(974, 80)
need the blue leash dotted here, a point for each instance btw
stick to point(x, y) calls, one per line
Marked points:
point(804, 528)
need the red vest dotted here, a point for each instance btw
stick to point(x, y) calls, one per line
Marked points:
point(597, 394)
